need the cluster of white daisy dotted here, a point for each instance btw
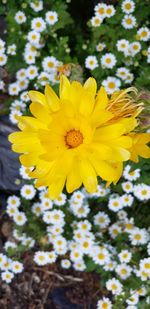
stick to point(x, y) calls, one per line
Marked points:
point(121, 55)
point(85, 228)
point(9, 268)
point(128, 21)
point(36, 68)
point(102, 11)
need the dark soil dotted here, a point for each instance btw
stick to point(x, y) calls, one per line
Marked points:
point(50, 288)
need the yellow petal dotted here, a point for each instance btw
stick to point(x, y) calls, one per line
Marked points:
point(73, 178)
point(120, 154)
point(102, 98)
point(103, 152)
point(64, 89)
point(37, 96)
point(27, 123)
point(103, 169)
point(29, 159)
point(56, 187)
point(42, 114)
point(86, 104)
point(91, 86)
point(99, 116)
point(109, 132)
point(88, 175)
point(52, 98)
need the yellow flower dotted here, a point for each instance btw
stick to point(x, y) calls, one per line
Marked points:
point(73, 139)
point(139, 147)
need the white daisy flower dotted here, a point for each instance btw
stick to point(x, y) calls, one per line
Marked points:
point(138, 236)
point(127, 199)
point(41, 258)
point(108, 60)
point(76, 255)
point(110, 266)
point(145, 265)
point(7, 276)
point(23, 84)
point(91, 62)
point(114, 230)
point(85, 226)
point(114, 286)
point(24, 172)
point(20, 17)
point(122, 73)
point(13, 116)
point(49, 64)
point(115, 203)
point(133, 299)
point(65, 263)
point(78, 197)
point(51, 17)
point(128, 6)
point(122, 215)
point(14, 200)
point(55, 230)
point(81, 212)
point(38, 24)
point(122, 45)
point(100, 10)
point(86, 244)
point(129, 79)
point(37, 209)
point(37, 6)
point(13, 89)
point(104, 303)
point(51, 257)
point(142, 192)
point(111, 84)
point(61, 200)
point(3, 259)
point(28, 192)
point(33, 37)
point(100, 47)
point(43, 78)
point(29, 58)
point(124, 271)
point(32, 72)
point(128, 22)
point(96, 21)
point(24, 96)
point(101, 219)
point(46, 204)
point(135, 48)
point(125, 256)
point(11, 210)
point(127, 186)
point(11, 50)
point(79, 265)
point(60, 244)
point(100, 255)
point(3, 59)
point(144, 34)
point(131, 175)
point(17, 267)
point(110, 11)
point(20, 218)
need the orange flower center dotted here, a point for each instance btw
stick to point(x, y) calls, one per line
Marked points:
point(73, 138)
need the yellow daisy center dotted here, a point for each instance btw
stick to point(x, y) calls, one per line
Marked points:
point(73, 138)
point(104, 306)
point(128, 6)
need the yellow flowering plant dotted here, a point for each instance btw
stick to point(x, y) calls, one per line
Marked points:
point(79, 136)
